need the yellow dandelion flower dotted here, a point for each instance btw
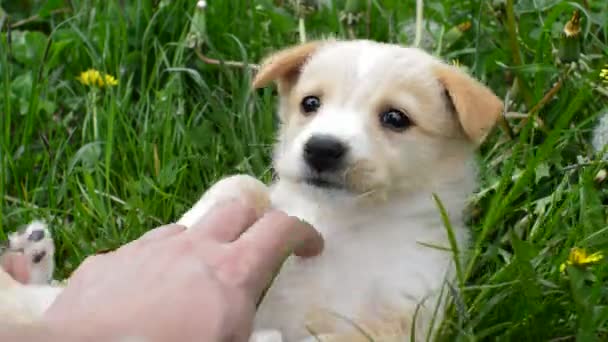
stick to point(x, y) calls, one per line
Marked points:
point(579, 257)
point(463, 27)
point(110, 80)
point(93, 77)
point(604, 73)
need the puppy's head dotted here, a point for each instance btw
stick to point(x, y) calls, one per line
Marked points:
point(362, 116)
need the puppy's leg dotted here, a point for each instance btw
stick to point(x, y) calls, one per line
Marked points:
point(20, 303)
point(239, 187)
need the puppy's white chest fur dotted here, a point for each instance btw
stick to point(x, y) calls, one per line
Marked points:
point(377, 263)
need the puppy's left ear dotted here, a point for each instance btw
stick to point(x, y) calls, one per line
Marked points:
point(283, 67)
point(477, 107)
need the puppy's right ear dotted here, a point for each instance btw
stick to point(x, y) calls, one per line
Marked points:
point(477, 107)
point(284, 66)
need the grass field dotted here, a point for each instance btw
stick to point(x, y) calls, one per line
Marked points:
point(103, 165)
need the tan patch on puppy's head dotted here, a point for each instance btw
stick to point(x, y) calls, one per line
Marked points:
point(477, 107)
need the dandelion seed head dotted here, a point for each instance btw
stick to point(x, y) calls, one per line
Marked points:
point(573, 26)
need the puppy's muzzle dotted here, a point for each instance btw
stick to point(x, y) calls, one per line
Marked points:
point(324, 153)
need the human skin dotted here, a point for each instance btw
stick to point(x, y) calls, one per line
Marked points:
point(174, 284)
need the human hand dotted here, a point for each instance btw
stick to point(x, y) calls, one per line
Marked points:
point(174, 284)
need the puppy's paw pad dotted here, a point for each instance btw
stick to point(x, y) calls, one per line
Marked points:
point(36, 235)
point(38, 256)
point(36, 231)
point(36, 242)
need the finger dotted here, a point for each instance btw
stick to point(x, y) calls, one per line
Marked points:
point(225, 221)
point(162, 232)
point(270, 241)
point(16, 265)
point(156, 234)
point(283, 235)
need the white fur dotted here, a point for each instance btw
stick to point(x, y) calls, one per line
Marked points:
point(340, 123)
point(372, 261)
point(367, 58)
point(25, 304)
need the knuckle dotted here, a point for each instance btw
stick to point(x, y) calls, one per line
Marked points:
point(235, 268)
point(186, 247)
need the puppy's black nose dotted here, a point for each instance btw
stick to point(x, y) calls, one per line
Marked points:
point(324, 153)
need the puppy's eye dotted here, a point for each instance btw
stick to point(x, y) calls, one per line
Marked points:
point(310, 104)
point(395, 119)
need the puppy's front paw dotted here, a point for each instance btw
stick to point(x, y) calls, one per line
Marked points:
point(36, 242)
point(266, 336)
point(239, 187)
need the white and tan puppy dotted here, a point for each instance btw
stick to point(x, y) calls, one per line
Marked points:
point(369, 132)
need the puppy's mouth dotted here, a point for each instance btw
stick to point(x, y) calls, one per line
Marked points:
point(324, 182)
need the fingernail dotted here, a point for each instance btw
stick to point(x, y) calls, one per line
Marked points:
point(310, 248)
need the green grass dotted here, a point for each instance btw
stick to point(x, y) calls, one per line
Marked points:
point(104, 167)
